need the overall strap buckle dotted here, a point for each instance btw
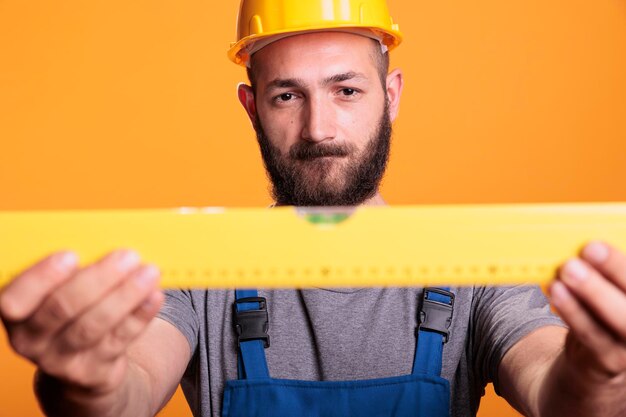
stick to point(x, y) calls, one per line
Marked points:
point(252, 324)
point(436, 311)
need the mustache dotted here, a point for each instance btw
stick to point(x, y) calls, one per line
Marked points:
point(305, 151)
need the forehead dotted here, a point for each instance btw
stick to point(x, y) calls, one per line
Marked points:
point(316, 56)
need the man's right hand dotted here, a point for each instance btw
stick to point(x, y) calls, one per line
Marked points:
point(75, 324)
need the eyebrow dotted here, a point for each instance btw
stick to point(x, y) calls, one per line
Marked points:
point(338, 78)
point(285, 83)
point(279, 83)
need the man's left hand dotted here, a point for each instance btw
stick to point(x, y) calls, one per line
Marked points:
point(590, 296)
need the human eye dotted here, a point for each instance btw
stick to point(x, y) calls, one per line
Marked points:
point(284, 98)
point(348, 93)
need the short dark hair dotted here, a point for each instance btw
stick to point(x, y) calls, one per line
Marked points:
point(381, 59)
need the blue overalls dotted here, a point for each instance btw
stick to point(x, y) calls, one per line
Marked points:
point(423, 393)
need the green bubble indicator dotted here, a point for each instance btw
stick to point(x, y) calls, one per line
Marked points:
point(326, 218)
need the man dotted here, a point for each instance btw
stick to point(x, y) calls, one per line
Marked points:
point(321, 103)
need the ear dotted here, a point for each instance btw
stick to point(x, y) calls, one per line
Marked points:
point(395, 82)
point(246, 98)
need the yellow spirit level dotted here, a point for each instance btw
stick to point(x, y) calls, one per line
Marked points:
point(325, 247)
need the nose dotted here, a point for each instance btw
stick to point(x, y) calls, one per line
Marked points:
point(319, 120)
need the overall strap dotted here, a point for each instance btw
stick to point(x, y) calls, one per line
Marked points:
point(251, 324)
point(434, 320)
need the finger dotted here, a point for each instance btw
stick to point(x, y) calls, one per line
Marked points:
point(608, 260)
point(104, 359)
point(587, 330)
point(20, 297)
point(91, 326)
point(606, 301)
point(81, 291)
point(118, 340)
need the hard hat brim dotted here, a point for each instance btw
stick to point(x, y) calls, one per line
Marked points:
point(241, 51)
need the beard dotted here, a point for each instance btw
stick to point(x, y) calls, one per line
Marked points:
point(327, 174)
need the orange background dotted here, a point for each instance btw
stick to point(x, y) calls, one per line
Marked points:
point(122, 104)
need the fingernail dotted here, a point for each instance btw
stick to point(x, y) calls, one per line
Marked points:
point(126, 260)
point(66, 261)
point(558, 293)
point(147, 275)
point(576, 270)
point(596, 252)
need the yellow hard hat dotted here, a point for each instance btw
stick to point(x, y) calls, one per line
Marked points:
point(261, 22)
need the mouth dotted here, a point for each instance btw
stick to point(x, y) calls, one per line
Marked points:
point(323, 157)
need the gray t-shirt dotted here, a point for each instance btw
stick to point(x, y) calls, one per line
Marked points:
point(346, 334)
